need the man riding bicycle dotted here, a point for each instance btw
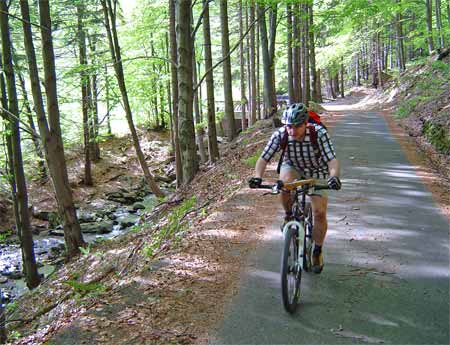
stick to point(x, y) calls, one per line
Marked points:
point(307, 153)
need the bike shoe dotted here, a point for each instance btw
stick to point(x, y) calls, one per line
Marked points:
point(317, 262)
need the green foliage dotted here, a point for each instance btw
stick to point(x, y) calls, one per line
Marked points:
point(437, 136)
point(85, 288)
point(5, 235)
point(174, 229)
point(11, 307)
point(251, 161)
point(14, 335)
point(442, 67)
point(406, 107)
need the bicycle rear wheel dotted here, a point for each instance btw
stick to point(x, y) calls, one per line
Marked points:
point(291, 273)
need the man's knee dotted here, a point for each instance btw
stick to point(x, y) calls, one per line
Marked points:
point(320, 216)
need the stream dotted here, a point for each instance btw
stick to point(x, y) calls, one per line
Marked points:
point(98, 221)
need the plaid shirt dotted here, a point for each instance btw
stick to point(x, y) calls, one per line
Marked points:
point(300, 154)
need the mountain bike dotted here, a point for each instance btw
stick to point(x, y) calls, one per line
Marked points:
point(297, 244)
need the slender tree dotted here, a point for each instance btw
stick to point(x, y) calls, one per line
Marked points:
point(268, 54)
point(84, 79)
point(213, 148)
point(21, 194)
point(227, 80)
point(242, 67)
point(50, 130)
point(253, 66)
point(185, 91)
point(110, 15)
point(289, 53)
point(174, 83)
point(429, 21)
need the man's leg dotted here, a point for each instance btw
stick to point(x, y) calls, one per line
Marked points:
point(287, 174)
point(319, 206)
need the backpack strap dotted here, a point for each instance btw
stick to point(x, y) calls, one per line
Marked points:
point(283, 145)
point(314, 141)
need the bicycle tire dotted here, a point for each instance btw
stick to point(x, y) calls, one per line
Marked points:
point(291, 273)
point(307, 244)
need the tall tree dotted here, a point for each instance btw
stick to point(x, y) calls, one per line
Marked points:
point(213, 148)
point(400, 46)
point(50, 130)
point(316, 89)
point(242, 67)
point(21, 194)
point(110, 15)
point(253, 66)
point(227, 80)
point(85, 106)
point(289, 53)
point(186, 130)
point(267, 39)
point(174, 83)
point(439, 24)
point(429, 21)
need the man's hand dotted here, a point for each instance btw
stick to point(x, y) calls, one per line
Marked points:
point(255, 182)
point(334, 183)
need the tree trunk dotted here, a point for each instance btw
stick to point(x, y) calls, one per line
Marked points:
point(258, 70)
point(319, 87)
point(268, 52)
point(84, 79)
point(244, 101)
point(296, 53)
point(439, 24)
point(199, 134)
point(51, 132)
point(289, 53)
point(111, 30)
point(108, 114)
point(93, 104)
point(185, 91)
point(357, 72)
point(379, 61)
point(305, 60)
point(227, 80)
point(312, 57)
point(174, 82)
point(429, 21)
point(23, 226)
point(213, 148)
point(342, 79)
point(400, 48)
point(253, 66)
point(37, 145)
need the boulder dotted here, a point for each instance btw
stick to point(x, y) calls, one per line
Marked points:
point(103, 227)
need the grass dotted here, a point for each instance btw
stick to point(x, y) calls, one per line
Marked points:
point(251, 161)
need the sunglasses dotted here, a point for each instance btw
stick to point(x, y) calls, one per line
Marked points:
point(298, 125)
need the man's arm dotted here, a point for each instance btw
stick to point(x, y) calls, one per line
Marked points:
point(334, 168)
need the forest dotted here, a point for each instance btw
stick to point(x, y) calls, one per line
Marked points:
point(82, 79)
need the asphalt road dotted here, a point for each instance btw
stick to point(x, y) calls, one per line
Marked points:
point(386, 275)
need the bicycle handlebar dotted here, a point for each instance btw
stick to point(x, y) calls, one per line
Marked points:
point(280, 185)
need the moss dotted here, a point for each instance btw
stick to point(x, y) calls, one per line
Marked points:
point(438, 136)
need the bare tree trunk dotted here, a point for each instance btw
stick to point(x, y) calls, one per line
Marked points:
point(108, 114)
point(110, 22)
point(23, 226)
point(84, 78)
point(199, 131)
point(296, 53)
point(258, 78)
point(93, 104)
point(289, 53)
point(174, 82)
point(312, 51)
point(185, 91)
point(400, 48)
point(37, 145)
point(268, 55)
point(253, 66)
point(379, 61)
point(227, 80)
point(439, 24)
point(342, 78)
point(305, 60)
point(357, 72)
point(319, 87)
point(213, 148)
point(429, 20)
point(244, 101)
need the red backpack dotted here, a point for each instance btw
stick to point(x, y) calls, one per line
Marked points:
point(313, 118)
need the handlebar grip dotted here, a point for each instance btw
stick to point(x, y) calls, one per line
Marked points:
point(318, 187)
point(266, 186)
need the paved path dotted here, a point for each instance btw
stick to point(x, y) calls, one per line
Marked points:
point(386, 278)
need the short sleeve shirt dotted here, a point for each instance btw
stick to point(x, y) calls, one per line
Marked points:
point(300, 154)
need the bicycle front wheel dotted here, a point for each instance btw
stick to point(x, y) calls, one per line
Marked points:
point(291, 273)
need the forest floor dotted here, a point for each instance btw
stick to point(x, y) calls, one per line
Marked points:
point(120, 291)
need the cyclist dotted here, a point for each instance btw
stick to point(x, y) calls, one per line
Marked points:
point(308, 153)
